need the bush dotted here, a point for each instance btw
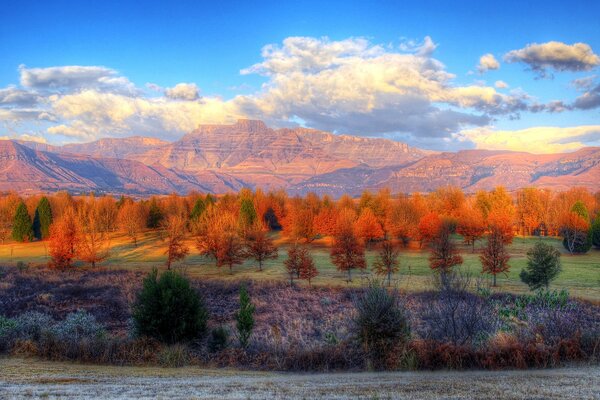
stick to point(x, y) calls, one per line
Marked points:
point(174, 356)
point(218, 340)
point(8, 328)
point(169, 309)
point(34, 325)
point(582, 242)
point(78, 326)
point(381, 324)
point(457, 316)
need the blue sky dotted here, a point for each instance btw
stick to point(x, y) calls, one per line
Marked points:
point(209, 44)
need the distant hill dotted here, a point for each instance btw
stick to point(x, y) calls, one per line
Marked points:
point(219, 158)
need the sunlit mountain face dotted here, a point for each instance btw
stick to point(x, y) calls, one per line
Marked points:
point(222, 158)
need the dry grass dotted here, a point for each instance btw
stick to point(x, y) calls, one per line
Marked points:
point(26, 378)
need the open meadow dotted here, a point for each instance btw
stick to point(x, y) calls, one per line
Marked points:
point(580, 273)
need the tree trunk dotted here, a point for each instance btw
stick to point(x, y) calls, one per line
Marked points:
point(494, 280)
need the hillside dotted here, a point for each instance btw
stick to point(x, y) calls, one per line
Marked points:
point(218, 158)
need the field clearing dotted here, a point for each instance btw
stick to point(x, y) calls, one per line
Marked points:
point(27, 378)
point(580, 275)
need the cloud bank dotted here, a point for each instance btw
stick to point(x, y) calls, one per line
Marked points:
point(350, 86)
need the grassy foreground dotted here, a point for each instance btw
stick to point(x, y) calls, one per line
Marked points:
point(581, 273)
point(26, 378)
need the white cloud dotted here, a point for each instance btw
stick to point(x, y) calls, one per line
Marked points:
point(540, 139)
point(25, 137)
point(348, 86)
point(501, 85)
point(73, 77)
point(487, 62)
point(183, 91)
point(557, 56)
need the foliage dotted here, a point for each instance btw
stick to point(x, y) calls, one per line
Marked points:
point(386, 264)
point(444, 254)
point(218, 339)
point(494, 258)
point(245, 317)
point(347, 253)
point(381, 323)
point(260, 246)
point(174, 233)
point(595, 232)
point(248, 215)
point(64, 240)
point(155, 215)
point(22, 226)
point(543, 266)
point(198, 209)
point(42, 219)
point(169, 309)
point(78, 326)
point(299, 264)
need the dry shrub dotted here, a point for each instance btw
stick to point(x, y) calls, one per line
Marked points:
point(24, 348)
point(174, 356)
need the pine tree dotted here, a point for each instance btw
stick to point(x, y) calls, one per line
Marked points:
point(245, 317)
point(595, 232)
point(42, 219)
point(543, 266)
point(247, 213)
point(22, 226)
point(155, 215)
point(198, 209)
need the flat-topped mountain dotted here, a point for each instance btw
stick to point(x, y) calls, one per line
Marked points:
point(218, 158)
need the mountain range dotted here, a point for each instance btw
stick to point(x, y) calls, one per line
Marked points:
point(221, 158)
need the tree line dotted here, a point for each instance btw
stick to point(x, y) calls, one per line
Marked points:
point(234, 227)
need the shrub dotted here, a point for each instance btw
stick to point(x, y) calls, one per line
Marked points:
point(456, 315)
point(543, 266)
point(169, 309)
point(174, 356)
point(245, 317)
point(381, 324)
point(78, 326)
point(34, 325)
point(218, 340)
point(8, 328)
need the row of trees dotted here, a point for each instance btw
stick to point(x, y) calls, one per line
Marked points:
point(234, 227)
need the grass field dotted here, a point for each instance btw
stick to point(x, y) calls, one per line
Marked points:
point(581, 273)
point(25, 378)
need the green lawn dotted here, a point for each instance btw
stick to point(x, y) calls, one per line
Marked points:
point(581, 274)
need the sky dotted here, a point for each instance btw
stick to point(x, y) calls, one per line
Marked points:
point(435, 74)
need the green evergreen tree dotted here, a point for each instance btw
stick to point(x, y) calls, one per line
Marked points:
point(543, 266)
point(169, 309)
point(22, 226)
point(42, 219)
point(198, 209)
point(247, 213)
point(155, 215)
point(245, 317)
point(595, 232)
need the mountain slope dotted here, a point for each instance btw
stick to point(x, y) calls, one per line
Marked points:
point(470, 170)
point(220, 158)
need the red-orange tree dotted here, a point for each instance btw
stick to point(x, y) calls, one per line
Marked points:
point(64, 239)
point(444, 254)
point(347, 252)
point(494, 258)
point(471, 226)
